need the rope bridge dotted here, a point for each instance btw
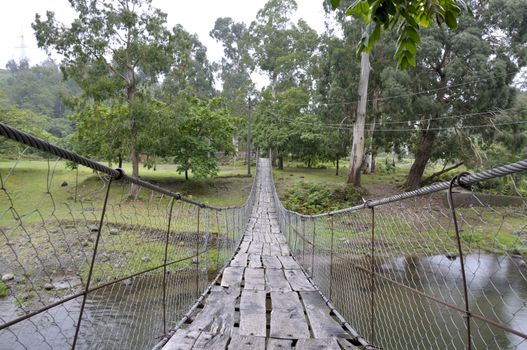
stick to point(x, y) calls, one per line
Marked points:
point(86, 267)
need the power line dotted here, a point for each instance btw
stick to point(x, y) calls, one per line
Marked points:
point(430, 129)
point(492, 112)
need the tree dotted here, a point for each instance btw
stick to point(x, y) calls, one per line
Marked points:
point(205, 129)
point(460, 77)
point(42, 90)
point(407, 16)
point(113, 49)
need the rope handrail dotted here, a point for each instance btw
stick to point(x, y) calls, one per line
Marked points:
point(117, 174)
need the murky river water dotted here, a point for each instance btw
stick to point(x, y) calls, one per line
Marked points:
point(130, 317)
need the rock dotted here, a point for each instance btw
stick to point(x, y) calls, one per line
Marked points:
point(114, 230)
point(49, 286)
point(90, 239)
point(105, 257)
point(64, 184)
point(85, 243)
point(70, 226)
point(94, 228)
point(195, 260)
point(53, 230)
point(145, 259)
point(7, 277)
point(181, 244)
point(451, 256)
point(24, 296)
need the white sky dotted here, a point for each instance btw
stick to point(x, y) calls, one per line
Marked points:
point(195, 16)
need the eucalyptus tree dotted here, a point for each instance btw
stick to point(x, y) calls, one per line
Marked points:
point(112, 49)
point(462, 78)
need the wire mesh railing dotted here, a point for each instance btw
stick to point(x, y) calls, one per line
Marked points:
point(393, 266)
point(85, 266)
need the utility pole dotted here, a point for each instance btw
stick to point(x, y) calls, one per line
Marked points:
point(249, 140)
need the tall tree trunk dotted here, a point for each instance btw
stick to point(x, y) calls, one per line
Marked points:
point(281, 162)
point(337, 167)
point(120, 159)
point(426, 142)
point(186, 174)
point(134, 155)
point(357, 148)
point(422, 156)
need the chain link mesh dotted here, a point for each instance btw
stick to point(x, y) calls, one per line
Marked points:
point(393, 270)
point(145, 274)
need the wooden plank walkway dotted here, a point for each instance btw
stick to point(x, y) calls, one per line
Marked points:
point(264, 300)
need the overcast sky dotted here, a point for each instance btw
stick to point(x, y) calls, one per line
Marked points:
point(195, 16)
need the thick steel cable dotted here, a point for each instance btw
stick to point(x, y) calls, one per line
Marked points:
point(117, 174)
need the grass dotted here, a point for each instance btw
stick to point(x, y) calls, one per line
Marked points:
point(4, 290)
point(409, 228)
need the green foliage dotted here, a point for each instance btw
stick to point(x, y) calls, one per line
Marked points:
point(407, 17)
point(4, 290)
point(314, 198)
point(205, 129)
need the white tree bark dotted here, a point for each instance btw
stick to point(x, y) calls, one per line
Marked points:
point(357, 148)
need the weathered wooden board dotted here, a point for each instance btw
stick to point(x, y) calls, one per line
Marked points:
point(287, 316)
point(255, 261)
point(255, 248)
point(243, 342)
point(274, 249)
point(284, 249)
point(217, 315)
point(254, 279)
point(289, 263)
point(279, 344)
point(212, 341)
point(244, 245)
point(240, 260)
point(183, 339)
point(252, 313)
point(275, 281)
point(298, 281)
point(322, 324)
point(271, 262)
point(232, 277)
point(317, 344)
point(346, 345)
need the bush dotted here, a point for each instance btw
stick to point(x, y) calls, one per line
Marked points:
point(315, 198)
point(4, 290)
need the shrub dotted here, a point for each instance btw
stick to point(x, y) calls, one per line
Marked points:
point(314, 198)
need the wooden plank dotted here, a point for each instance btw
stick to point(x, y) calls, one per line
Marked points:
point(212, 341)
point(298, 281)
point(252, 313)
point(317, 344)
point(255, 261)
point(346, 345)
point(271, 262)
point(284, 249)
point(322, 324)
point(275, 281)
point(243, 342)
point(279, 344)
point(244, 245)
point(275, 249)
point(289, 263)
point(266, 249)
point(255, 248)
point(183, 339)
point(217, 315)
point(240, 260)
point(232, 277)
point(254, 279)
point(287, 316)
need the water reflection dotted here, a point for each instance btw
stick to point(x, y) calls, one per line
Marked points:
point(406, 320)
